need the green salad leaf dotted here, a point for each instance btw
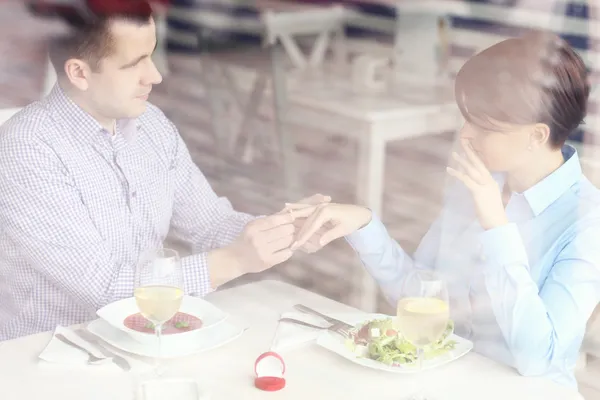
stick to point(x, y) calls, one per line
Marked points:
point(379, 341)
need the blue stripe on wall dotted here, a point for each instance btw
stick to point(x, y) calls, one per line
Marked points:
point(381, 10)
point(578, 42)
point(217, 6)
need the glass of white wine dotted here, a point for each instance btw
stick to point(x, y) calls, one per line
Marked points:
point(158, 290)
point(422, 313)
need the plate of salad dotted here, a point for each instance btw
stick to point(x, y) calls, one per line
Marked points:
point(375, 343)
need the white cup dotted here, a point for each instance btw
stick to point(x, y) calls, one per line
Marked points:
point(370, 73)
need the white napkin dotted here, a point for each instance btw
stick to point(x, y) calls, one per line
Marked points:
point(60, 353)
point(289, 336)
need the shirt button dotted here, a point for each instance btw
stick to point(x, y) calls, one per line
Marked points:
point(133, 194)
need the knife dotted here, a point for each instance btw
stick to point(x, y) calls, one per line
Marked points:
point(117, 359)
point(329, 319)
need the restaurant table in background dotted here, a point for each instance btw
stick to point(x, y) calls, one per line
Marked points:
point(228, 372)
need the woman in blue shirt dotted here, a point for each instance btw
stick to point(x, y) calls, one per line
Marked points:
point(518, 238)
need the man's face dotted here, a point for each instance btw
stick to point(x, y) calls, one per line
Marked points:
point(120, 87)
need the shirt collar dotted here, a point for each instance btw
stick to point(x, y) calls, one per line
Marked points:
point(541, 195)
point(83, 123)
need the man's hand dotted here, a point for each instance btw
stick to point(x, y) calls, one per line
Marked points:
point(264, 243)
point(484, 189)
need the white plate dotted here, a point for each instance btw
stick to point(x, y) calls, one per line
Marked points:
point(206, 339)
point(116, 312)
point(335, 343)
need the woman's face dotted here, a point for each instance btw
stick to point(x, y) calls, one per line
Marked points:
point(502, 150)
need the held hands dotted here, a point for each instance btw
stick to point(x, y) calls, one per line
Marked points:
point(264, 243)
point(325, 223)
point(484, 189)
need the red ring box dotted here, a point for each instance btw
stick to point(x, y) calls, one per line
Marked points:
point(269, 369)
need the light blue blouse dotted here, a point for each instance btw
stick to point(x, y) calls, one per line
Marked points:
point(522, 292)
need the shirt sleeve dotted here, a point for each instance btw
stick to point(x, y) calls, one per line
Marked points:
point(42, 213)
point(384, 258)
point(541, 324)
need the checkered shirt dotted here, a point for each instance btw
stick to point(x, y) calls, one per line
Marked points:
point(77, 207)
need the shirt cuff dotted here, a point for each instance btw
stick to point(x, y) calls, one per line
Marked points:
point(503, 245)
point(368, 239)
point(196, 278)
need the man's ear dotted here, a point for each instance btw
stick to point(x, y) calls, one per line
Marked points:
point(78, 72)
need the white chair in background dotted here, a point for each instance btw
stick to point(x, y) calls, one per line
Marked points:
point(286, 33)
point(237, 89)
point(325, 25)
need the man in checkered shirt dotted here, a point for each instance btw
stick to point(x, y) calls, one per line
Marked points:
point(93, 175)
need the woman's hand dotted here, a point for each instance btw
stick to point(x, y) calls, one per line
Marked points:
point(327, 223)
point(485, 190)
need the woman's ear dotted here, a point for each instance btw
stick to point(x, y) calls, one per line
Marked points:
point(540, 135)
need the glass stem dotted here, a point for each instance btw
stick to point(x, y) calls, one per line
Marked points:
point(158, 330)
point(420, 395)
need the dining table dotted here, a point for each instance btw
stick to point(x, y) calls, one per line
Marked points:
point(227, 372)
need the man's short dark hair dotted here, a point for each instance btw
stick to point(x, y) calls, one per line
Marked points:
point(535, 78)
point(90, 38)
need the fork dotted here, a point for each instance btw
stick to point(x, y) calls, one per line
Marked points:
point(333, 321)
point(92, 359)
point(338, 328)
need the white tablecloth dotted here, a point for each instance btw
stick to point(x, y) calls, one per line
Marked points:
point(227, 372)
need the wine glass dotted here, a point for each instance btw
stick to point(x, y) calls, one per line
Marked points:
point(422, 313)
point(158, 290)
